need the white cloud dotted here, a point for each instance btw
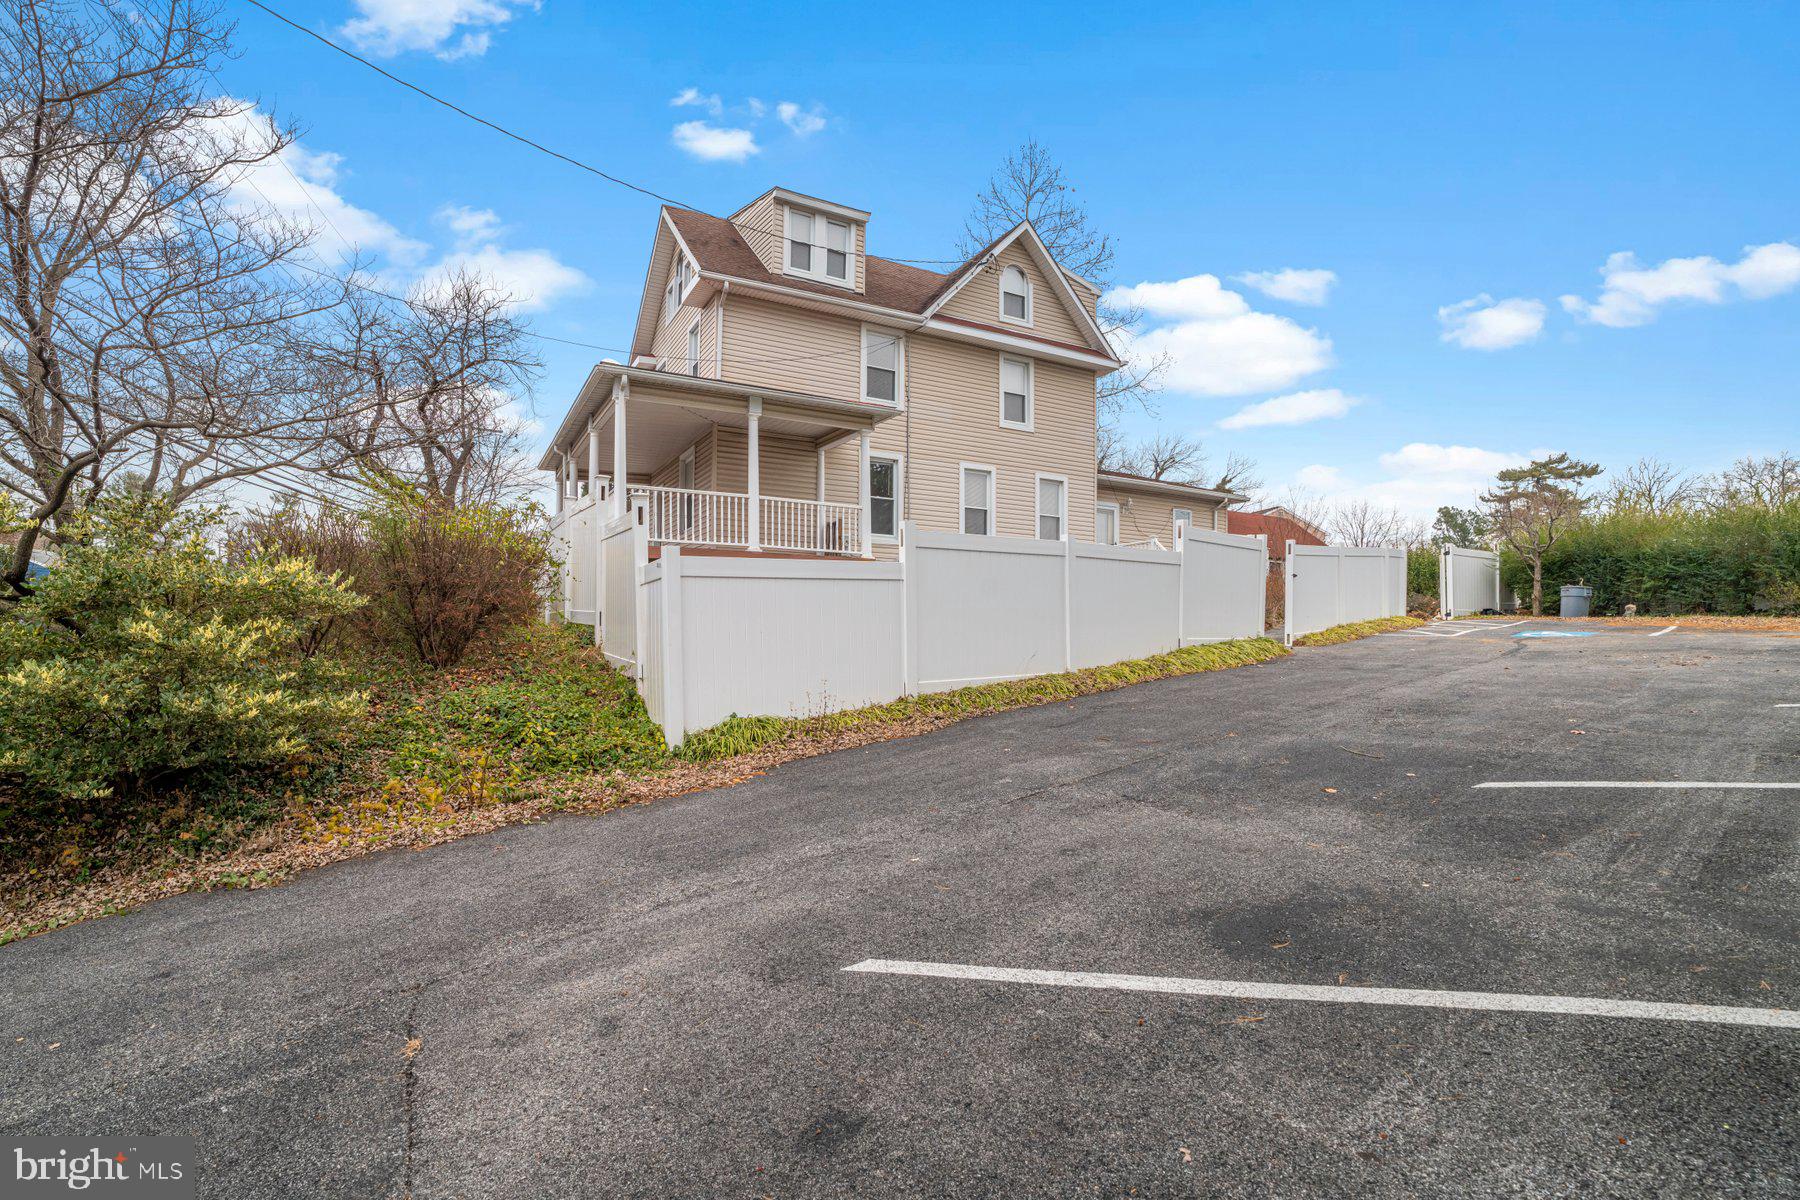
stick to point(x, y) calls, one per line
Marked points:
point(1484, 323)
point(804, 122)
point(1632, 294)
point(757, 107)
point(1416, 479)
point(1295, 408)
point(711, 143)
point(300, 185)
point(1296, 286)
point(534, 278)
point(1216, 344)
point(693, 97)
point(390, 27)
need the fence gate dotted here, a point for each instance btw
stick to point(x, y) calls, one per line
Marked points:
point(1468, 581)
point(1337, 585)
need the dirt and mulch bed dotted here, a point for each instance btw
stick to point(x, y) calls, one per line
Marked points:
point(1357, 629)
point(536, 726)
point(1707, 621)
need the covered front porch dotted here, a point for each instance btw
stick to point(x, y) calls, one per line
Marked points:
point(712, 464)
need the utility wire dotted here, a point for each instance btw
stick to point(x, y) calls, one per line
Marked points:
point(536, 145)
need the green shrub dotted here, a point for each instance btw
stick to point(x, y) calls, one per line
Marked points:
point(1421, 578)
point(147, 655)
point(443, 574)
point(1730, 561)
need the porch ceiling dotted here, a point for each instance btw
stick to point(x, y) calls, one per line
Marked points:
point(715, 401)
point(660, 426)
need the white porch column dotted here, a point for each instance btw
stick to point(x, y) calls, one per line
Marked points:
point(819, 538)
point(755, 480)
point(621, 392)
point(593, 461)
point(862, 489)
point(559, 482)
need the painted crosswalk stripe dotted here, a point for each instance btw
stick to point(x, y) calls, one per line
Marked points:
point(1576, 1006)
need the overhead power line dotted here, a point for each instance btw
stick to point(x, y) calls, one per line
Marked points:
point(532, 142)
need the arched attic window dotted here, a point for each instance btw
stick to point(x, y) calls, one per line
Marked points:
point(1015, 296)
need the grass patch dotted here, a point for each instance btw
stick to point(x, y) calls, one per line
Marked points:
point(533, 724)
point(741, 735)
point(1339, 634)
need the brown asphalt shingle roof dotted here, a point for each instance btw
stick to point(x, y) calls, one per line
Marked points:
point(720, 246)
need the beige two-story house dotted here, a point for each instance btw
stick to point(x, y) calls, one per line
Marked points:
point(789, 392)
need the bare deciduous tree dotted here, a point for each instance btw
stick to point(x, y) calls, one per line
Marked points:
point(1768, 482)
point(1651, 487)
point(438, 376)
point(1365, 523)
point(1030, 186)
point(1176, 457)
point(147, 321)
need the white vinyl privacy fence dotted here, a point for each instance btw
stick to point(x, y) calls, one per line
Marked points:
point(712, 637)
point(1468, 581)
point(1336, 585)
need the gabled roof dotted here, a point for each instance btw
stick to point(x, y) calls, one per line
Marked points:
point(1027, 234)
point(719, 246)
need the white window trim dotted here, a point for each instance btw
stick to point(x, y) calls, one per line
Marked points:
point(1114, 507)
point(1175, 518)
point(693, 347)
point(899, 461)
point(962, 495)
point(1037, 502)
point(899, 400)
point(1029, 299)
point(681, 299)
point(1028, 425)
point(817, 274)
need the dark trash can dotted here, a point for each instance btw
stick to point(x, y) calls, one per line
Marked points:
point(1576, 600)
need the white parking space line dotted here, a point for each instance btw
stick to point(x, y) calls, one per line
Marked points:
point(1577, 1006)
point(1787, 706)
point(1660, 632)
point(1675, 784)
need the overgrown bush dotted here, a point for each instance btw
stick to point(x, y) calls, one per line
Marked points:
point(1730, 561)
point(442, 574)
point(147, 655)
point(1422, 579)
point(330, 538)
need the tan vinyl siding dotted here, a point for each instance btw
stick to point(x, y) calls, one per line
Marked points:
point(1143, 515)
point(671, 342)
point(761, 227)
point(953, 401)
point(782, 347)
point(979, 300)
point(785, 466)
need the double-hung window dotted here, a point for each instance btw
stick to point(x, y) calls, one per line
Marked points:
point(693, 363)
point(1015, 393)
point(884, 496)
point(680, 275)
point(1015, 296)
point(977, 499)
point(1052, 507)
point(1106, 524)
point(881, 366)
point(818, 246)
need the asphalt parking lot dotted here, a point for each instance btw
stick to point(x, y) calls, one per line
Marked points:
point(656, 1002)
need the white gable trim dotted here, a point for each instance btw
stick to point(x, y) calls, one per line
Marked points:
point(1052, 270)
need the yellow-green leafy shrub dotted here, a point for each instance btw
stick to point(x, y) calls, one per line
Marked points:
point(146, 656)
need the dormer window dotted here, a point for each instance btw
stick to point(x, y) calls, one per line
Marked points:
point(818, 247)
point(1015, 296)
point(681, 276)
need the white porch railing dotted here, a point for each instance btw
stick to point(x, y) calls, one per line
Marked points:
point(811, 525)
point(696, 517)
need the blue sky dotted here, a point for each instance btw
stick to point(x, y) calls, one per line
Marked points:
point(1425, 156)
